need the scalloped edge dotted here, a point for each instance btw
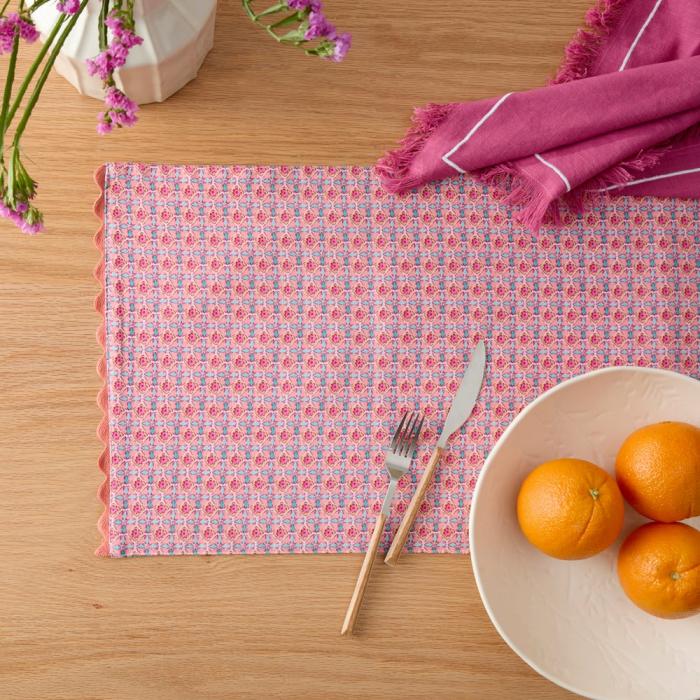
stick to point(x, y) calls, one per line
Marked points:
point(102, 395)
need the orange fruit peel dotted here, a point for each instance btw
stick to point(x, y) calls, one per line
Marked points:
point(658, 471)
point(659, 569)
point(570, 508)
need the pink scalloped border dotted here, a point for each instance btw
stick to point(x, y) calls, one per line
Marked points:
point(102, 396)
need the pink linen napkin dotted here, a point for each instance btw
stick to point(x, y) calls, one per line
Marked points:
point(265, 326)
point(619, 117)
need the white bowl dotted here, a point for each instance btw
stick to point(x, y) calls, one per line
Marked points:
point(570, 620)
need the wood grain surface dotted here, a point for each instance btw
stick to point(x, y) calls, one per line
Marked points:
point(77, 627)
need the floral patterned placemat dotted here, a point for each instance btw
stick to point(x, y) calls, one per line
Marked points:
point(264, 327)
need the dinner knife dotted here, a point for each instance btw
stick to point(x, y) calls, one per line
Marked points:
point(462, 407)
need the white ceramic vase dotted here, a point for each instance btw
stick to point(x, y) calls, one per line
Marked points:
point(177, 35)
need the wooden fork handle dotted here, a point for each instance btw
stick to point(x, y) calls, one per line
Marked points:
point(392, 556)
point(363, 578)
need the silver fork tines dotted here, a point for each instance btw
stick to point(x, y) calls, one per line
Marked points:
point(399, 455)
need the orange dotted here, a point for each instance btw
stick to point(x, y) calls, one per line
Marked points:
point(658, 471)
point(570, 509)
point(659, 569)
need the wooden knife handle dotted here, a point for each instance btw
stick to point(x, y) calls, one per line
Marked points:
point(363, 577)
point(392, 556)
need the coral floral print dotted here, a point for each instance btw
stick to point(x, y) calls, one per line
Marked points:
point(265, 327)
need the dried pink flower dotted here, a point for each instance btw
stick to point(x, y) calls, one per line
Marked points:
point(313, 5)
point(68, 7)
point(342, 46)
point(14, 25)
point(25, 217)
point(120, 110)
point(319, 27)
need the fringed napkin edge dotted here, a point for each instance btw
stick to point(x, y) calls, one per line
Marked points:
point(580, 55)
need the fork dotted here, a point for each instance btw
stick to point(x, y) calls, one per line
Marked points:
point(396, 460)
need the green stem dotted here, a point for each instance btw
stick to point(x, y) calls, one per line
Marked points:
point(101, 24)
point(289, 19)
point(295, 37)
point(45, 74)
point(272, 33)
point(9, 80)
point(249, 10)
point(31, 73)
point(10, 191)
point(273, 9)
point(4, 7)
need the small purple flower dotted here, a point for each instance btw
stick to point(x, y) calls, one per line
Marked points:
point(7, 35)
point(122, 118)
point(129, 40)
point(342, 46)
point(26, 218)
point(319, 27)
point(121, 35)
point(105, 63)
point(104, 125)
point(120, 112)
point(27, 30)
point(119, 54)
point(312, 5)
point(31, 229)
point(68, 7)
point(102, 65)
point(11, 26)
point(114, 23)
point(116, 99)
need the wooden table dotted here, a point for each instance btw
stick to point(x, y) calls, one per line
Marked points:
point(77, 627)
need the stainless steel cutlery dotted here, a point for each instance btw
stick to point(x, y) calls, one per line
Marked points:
point(462, 407)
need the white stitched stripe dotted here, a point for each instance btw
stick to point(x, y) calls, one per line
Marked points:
point(639, 35)
point(663, 176)
point(563, 177)
point(474, 129)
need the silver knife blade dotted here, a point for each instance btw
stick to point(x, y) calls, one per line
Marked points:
point(465, 398)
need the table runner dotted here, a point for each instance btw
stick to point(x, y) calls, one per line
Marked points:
point(265, 326)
